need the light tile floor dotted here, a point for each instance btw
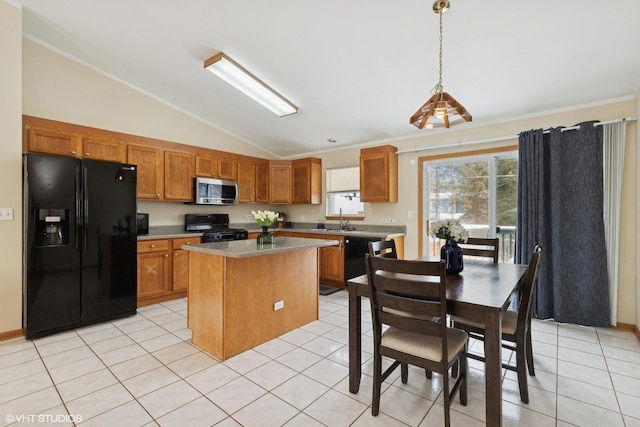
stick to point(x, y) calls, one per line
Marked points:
point(143, 371)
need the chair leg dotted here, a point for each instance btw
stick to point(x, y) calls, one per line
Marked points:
point(428, 374)
point(454, 369)
point(404, 372)
point(522, 373)
point(532, 370)
point(464, 371)
point(377, 376)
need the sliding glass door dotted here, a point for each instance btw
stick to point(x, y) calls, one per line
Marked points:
point(479, 191)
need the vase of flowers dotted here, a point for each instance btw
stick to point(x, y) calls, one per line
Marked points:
point(452, 232)
point(265, 219)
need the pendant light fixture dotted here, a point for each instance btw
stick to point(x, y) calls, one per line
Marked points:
point(441, 109)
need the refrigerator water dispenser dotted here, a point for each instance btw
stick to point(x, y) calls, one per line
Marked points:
point(52, 227)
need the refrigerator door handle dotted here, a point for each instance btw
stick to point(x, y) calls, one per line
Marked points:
point(78, 210)
point(85, 216)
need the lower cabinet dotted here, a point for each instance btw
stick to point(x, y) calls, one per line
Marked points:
point(332, 263)
point(163, 269)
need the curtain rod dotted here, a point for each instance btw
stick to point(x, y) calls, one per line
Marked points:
point(504, 138)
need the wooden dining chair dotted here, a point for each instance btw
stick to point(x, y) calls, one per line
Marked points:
point(384, 248)
point(481, 247)
point(516, 328)
point(406, 296)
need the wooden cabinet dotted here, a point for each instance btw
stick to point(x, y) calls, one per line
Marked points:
point(163, 269)
point(262, 182)
point(306, 181)
point(72, 145)
point(280, 182)
point(154, 268)
point(178, 176)
point(379, 174)
point(149, 161)
point(253, 179)
point(108, 150)
point(180, 264)
point(332, 263)
point(162, 175)
point(211, 166)
point(50, 142)
point(246, 182)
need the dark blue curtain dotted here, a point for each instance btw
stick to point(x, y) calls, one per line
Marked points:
point(560, 199)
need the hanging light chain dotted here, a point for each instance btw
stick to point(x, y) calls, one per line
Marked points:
point(438, 87)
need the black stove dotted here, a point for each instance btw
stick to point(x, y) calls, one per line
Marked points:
point(215, 227)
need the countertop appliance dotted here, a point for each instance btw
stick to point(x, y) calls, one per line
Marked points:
point(79, 242)
point(354, 250)
point(142, 223)
point(211, 191)
point(215, 227)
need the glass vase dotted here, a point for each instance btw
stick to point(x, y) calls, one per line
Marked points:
point(265, 237)
point(451, 253)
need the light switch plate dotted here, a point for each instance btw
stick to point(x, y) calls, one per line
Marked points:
point(6, 214)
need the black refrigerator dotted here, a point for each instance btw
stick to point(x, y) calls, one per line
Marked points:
point(79, 242)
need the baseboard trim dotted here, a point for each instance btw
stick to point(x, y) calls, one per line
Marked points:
point(11, 334)
point(628, 327)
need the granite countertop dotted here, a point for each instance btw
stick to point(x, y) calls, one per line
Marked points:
point(177, 231)
point(250, 248)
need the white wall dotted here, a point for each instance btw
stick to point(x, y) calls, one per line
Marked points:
point(11, 167)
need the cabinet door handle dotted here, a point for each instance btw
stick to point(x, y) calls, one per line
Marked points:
point(158, 195)
point(153, 246)
point(175, 254)
point(166, 255)
point(73, 152)
point(86, 154)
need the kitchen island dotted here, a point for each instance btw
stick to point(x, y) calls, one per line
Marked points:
point(242, 294)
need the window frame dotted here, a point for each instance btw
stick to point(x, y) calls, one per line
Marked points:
point(454, 157)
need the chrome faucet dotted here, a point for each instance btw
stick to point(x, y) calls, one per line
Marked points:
point(343, 226)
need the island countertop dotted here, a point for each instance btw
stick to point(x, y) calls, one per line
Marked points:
point(250, 248)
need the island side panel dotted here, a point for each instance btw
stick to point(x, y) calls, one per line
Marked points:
point(205, 302)
point(255, 284)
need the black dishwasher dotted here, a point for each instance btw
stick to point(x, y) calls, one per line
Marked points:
point(354, 250)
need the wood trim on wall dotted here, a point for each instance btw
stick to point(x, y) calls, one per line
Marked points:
point(11, 334)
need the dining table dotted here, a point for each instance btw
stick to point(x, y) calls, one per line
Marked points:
point(482, 292)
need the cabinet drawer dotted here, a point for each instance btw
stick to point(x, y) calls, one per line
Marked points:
point(153, 246)
point(176, 244)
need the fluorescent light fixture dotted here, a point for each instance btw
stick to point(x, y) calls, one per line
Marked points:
point(231, 72)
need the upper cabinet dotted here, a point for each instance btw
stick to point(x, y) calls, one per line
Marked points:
point(149, 161)
point(162, 174)
point(246, 182)
point(97, 149)
point(379, 174)
point(280, 181)
point(262, 181)
point(216, 167)
point(178, 176)
point(46, 141)
point(307, 181)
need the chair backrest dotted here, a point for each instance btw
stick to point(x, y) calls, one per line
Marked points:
point(383, 248)
point(527, 287)
point(482, 247)
point(409, 295)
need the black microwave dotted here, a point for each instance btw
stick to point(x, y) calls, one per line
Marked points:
point(209, 191)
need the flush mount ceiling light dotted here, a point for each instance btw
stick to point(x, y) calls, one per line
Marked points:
point(234, 74)
point(441, 108)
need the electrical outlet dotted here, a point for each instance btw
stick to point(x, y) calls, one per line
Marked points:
point(249, 216)
point(6, 214)
point(392, 220)
point(302, 218)
point(278, 305)
point(384, 220)
point(409, 214)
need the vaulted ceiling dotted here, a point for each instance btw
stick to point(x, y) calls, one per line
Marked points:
point(356, 69)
